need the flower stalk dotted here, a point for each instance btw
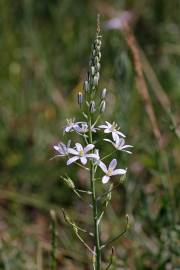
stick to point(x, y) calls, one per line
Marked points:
point(88, 156)
point(95, 207)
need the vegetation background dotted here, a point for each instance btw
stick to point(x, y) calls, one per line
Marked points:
point(44, 50)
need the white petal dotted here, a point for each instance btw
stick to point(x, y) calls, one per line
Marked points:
point(71, 160)
point(68, 128)
point(120, 142)
point(121, 134)
point(79, 147)
point(103, 126)
point(108, 124)
point(107, 130)
point(94, 129)
point(105, 179)
point(118, 172)
point(129, 152)
point(56, 147)
point(107, 140)
point(92, 156)
point(83, 160)
point(72, 151)
point(115, 136)
point(76, 128)
point(126, 146)
point(113, 164)
point(102, 166)
point(88, 148)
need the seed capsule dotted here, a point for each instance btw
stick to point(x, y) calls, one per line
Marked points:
point(68, 181)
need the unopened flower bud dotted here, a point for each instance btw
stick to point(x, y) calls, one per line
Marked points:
point(95, 80)
point(80, 98)
point(98, 48)
point(103, 94)
point(92, 70)
point(90, 62)
point(97, 75)
point(97, 66)
point(93, 52)
point(96, 60)
point(99, 55)
point(102, 106)
point(86, 86)
point(98, 42)
point(92, 106)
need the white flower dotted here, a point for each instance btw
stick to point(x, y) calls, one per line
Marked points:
point(119, 144)
point(72, 126)
point(84, 128)
point(110, 171)
point(81, 153)
point(62, 149)
point(80, 127)
point(112, 128)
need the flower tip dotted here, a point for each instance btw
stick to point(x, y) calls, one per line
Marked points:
point(105, 179)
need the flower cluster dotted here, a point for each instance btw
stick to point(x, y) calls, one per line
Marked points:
point(82, 154)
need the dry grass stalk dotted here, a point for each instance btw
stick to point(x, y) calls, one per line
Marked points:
point(140, 80)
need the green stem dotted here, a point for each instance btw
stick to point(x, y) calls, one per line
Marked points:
point(94, 204)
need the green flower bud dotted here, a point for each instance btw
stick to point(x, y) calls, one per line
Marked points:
point(102, 106)
point(92, 106)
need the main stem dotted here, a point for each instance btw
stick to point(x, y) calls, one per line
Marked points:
point(94, 204)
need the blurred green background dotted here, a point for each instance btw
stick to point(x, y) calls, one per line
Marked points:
point(44, 52)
